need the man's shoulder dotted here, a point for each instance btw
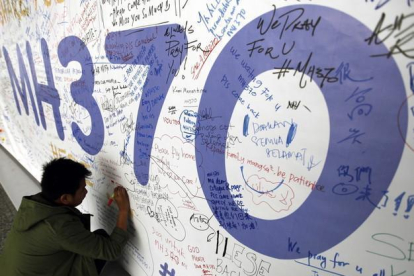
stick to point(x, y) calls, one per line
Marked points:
point(63, 218)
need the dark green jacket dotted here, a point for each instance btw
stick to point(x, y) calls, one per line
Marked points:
point(47, 239)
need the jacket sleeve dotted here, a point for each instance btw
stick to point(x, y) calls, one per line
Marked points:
point(72, 236)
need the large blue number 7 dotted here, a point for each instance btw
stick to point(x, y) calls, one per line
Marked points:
point(163, 48)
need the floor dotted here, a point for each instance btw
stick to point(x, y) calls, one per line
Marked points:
point(15, 182)
point(7, 212)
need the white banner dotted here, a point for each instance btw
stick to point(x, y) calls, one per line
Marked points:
point(254, 137)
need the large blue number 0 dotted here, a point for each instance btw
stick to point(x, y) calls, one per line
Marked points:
point(163, 49)
point(324, 219)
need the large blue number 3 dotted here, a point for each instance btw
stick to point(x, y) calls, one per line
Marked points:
point(163, 48)
point(70, 49)
point(324, 219)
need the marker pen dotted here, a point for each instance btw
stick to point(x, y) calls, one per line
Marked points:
point(111, 199)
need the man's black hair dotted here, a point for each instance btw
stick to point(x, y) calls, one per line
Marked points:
point(62, 176)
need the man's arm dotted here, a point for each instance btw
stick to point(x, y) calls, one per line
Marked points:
point(72, 236)
point(75, 238)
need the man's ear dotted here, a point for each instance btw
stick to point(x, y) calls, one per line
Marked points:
point(65, 199)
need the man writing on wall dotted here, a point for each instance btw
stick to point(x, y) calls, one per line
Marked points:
point(51, 237)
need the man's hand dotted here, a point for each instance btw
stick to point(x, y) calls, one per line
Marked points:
point(122, 200)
